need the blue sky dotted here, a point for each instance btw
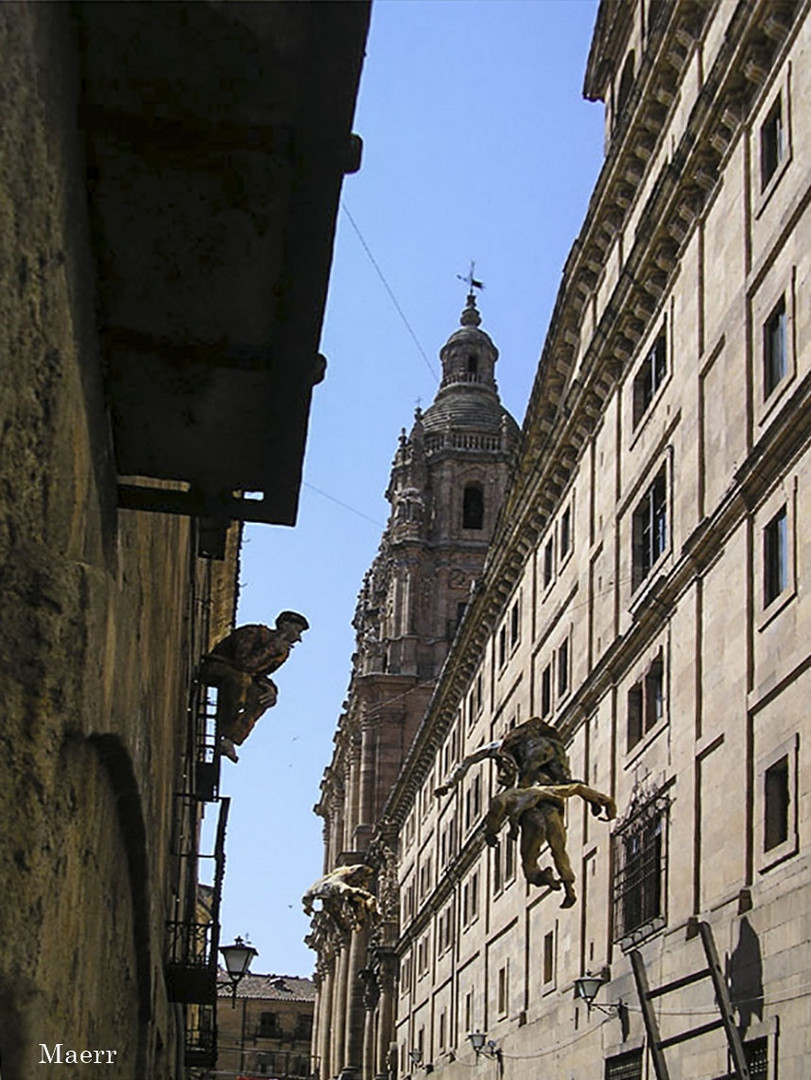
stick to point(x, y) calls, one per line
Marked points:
point(477, 145)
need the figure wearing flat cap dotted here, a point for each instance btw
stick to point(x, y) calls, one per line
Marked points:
point(239, 667)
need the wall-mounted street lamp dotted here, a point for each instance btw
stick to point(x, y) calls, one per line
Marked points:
point(586, 988)
point(482, 1045)
point(238, 958)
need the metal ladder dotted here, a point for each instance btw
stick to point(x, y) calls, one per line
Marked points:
point(712, 971)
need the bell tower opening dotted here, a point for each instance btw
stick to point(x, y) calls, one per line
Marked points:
point(473, 507)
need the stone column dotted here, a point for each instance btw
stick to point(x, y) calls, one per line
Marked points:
point(324, 1044)
point(366, 808)
point(371, 994)
point(353, 788)
point(353, 1030)
point(339, 1006)
point(385, 1016)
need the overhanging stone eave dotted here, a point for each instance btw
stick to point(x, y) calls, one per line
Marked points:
point(212, 214)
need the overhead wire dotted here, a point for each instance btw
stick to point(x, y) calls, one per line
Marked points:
point(346, 506)
point(388, 289)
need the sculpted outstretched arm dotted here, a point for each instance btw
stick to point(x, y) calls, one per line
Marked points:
point(456, 774)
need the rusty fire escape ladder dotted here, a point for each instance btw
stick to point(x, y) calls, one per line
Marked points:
point(726, 1020)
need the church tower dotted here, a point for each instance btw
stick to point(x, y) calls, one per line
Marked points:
point(447, 482)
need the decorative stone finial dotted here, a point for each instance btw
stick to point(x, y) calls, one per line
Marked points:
point(470, 316)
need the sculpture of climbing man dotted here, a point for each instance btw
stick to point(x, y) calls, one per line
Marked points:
point(533, 769)
point(239, 667)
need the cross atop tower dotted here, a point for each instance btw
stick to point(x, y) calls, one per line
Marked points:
point(471, 282)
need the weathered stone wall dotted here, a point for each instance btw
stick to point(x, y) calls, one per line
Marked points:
point(100, 620)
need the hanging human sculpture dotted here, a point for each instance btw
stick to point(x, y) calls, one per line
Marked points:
point(239, 667)
point(533, 769)
point(345, 896)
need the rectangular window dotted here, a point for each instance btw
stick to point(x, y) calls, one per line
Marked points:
point(442, 1029)
point(775, 556)
point(654, 693)
point(479, 695)
point(405, 975)
point(563, 668)
point(775, 348)
point(549, 957)
point(546, 691)
point(776, 801)
point(424, 955)
point(756, 1052)
point(772, 144)
point(624, 1066)
point(548, 562)
point(650, 377)
point(515, 624)
point(649, 529)
point(502, 646)
point(269, 1026)
point(503, 991)
point(469, 1011)
point(565, 532)
point(509, 860)
point(646, 702)
point(635, 715)
point(640, 866)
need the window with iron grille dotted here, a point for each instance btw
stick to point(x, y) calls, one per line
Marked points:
point(640, 861)
point(624, 1066)
point(756, 1052)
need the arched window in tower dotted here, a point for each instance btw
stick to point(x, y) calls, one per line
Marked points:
point(472, 364)
point(473, 507)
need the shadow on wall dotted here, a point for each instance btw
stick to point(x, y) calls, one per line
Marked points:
point(745, 977)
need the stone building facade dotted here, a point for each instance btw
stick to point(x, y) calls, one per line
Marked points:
point(447, 483)
point(268, 1031)
point(647, 594)
point(143, 248)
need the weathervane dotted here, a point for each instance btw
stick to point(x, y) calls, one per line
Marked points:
point(471, 281)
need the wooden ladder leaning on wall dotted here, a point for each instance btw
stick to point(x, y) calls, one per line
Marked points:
point(726, 1020)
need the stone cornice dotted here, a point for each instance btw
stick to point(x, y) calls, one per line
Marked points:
point(611, 30)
